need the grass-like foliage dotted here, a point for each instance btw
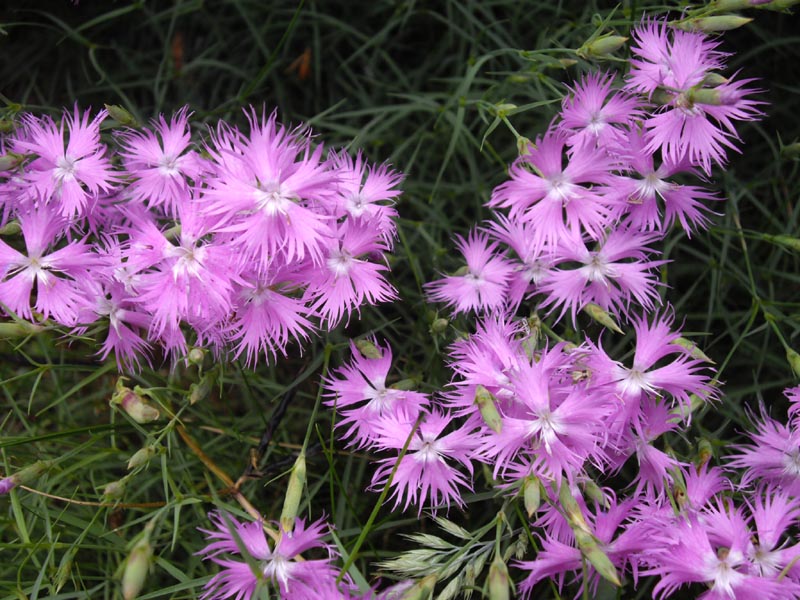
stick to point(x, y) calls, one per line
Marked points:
point(291, 316)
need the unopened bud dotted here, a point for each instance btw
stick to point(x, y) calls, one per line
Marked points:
point(590, 548)
point(499, 588)
point(704, 452)
point(10, 160)
point(136, 568)
point(11, 228)
point(486, 405)
point(439, 326)
point(694, 351)
point(141, 457)
point(602, 317)
point(572, 509)
point(368, 349)
point(524, 146)
point(294, 492)
point(601, 46)
point(791, 151)
point(114, 490)
point(196, 356)
point(713, 23)
point(502, 110)
point(794, 361)
point(420, 590)
point(25, 475)
point(132, 402)
point(595, 492)
point(785, 240)
point(121, 115)
point(19, 329)
point(713, 79)
point(531, 494)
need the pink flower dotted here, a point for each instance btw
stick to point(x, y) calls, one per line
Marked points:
point(695, 121)
point(267, 315)
point(554, 197)
point(359, 392)
point(426, 472)
point(592, 115)
point(613, 275)
point(271, 190)
point(58, 274)
point(347, 279)
point(482, 284)
point(774, 456)
point(652, 201)
point(160, 162)
point(366, 192)
point(67, 176)
point(306, 579)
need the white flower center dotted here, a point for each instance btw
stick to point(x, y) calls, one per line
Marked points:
point(340, 263)
point(168, 166)
point(791, 463)
point(720, 569)
point(597, 269)
point(356, 205)
point(66, 167)
point(273, 199)
point(428, 450)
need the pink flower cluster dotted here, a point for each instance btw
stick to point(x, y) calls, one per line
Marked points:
point(589, 199)
point(242, 244)
point(583, 212)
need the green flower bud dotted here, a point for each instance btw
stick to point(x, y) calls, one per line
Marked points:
point(485, 401)
point(294, 492)
point(601, 46)
point(602, 317)
point(114, 490)
point(531, 494)
point(136, 568)
point(499, 588)
point(196, 356)
point(713, 23)
point(141, 457)
point(368, 349)
point(794, 361)
point(439, 326)
point(704, 452)
point(694, 351)
point(19, 329)
point(420, 590)
point(11, 228)
point(121, 115)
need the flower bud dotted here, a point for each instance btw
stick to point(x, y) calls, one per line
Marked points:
point(791, 151)
point(524, 146)
point(25, 475)
point(19, 329)
point(196, 356)
point(794, 361)
point(294, 492)
point(694, 351)
point(602, 317)
point(713, 23)
point(64, 569)
point(485, 401)
point(531, 494)
point(439, 326)
point(421, 590)
point(10, 161)
point(368, 349)
point(115, 489)
point(704, 452)
point(590, 548)
point(121, 115)
point(132, 402)
point(601, 46)
point(11, 228)
point(498, 580)
point(141, 457)
point(136, 568)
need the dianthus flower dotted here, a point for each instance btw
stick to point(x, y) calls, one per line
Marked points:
point(304, 579)
point(482, 285)
point(67, 175)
